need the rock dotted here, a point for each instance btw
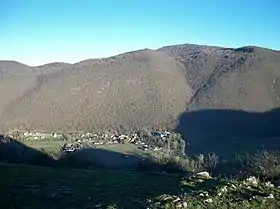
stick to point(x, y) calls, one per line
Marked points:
point(209, 200)
point(177, 199)
point(269, 184)
point(204, 174)
point(224, 189)
point(252, 181)
point(185, 204)
point(252, 198)
point(179, 205)
point(271, 196)
point(203, 194)
point(166, 198)
point(98, 205)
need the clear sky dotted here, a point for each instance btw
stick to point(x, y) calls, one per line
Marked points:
point(40, 31)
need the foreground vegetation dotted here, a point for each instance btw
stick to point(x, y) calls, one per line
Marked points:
point(38, 174)
point(25, 186)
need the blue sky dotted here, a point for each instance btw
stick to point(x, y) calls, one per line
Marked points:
point(40, 31)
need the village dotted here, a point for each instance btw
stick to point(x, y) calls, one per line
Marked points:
point(76, 141)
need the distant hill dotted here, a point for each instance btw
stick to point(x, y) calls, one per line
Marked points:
point(15, 80)
point(140, 89)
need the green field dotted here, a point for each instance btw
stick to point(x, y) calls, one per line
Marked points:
point(38, 144)
point(123, 148)
point(56, 144)
point(110, 155)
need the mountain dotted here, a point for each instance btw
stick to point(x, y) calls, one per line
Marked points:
point(139, 89)
point(244, 78)
point(15, 80)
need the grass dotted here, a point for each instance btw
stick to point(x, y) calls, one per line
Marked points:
point(124, 148)
point(53, 149)
point(54, 145)
point(38, 144)
point(34, 187)
point(39, 187)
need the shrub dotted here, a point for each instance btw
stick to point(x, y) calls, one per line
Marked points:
point(159, 163)
point(177, 144)
point(211, 162)
point(174, 144)
point(263, 164)
point(170, 163)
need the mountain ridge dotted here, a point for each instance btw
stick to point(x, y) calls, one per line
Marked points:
point(141, 89)
point(136, 50)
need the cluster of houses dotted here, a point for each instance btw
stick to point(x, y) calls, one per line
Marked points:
point(37, 135)
point(71, 147)
point(106, 139)
point(96, 139)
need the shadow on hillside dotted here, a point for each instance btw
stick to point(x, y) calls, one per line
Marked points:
point(13, 151)
point(139, 181)
point(98, 158)
point(226, 132)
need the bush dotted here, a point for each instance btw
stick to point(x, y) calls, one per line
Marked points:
point(263, 164)
point(177, 144)
point(174, 144)
point(211, 162)
point(170, 163)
